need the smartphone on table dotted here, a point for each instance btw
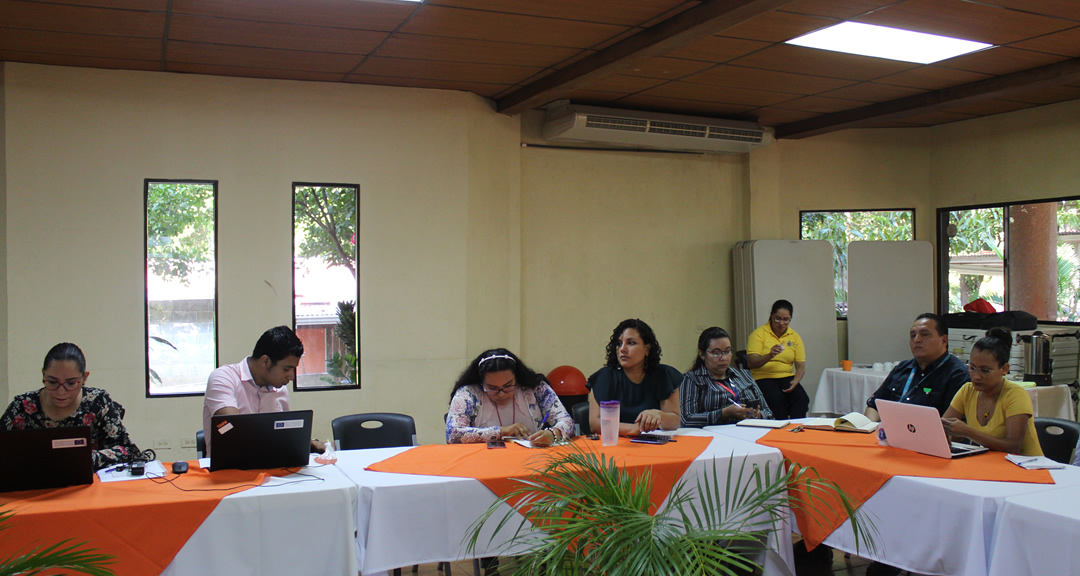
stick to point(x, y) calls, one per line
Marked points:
point(496, 444)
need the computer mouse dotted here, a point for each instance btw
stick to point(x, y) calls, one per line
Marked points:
point(179, 467)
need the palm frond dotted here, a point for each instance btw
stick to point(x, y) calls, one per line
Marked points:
point(579, 513)
point(63, 555)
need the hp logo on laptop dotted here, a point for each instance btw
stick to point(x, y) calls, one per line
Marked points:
point(911, 428)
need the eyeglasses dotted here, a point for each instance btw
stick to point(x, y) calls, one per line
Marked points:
point(716, 353)
point(495, 391)
point(69, 386)
point(782, 320)
point(981, 370)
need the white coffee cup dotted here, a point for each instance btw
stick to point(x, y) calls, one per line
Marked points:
point(879, 367)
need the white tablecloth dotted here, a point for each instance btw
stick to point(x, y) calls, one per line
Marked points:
point(1038, 534)
point(282, 528)
point(940, 526)
point(406, 519)
point(841, 392)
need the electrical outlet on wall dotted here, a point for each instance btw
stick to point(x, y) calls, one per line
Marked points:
point(164, 444)
point(188, 443)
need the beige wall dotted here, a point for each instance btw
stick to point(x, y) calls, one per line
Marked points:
point(3, 243)
point(437, 175)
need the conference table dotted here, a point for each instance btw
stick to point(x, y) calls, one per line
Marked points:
point(406, 519)
point(1036, 534)
point(947, 527)
point(298, 524)
point(840, 392)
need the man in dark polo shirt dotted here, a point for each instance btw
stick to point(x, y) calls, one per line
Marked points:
point(931, 378)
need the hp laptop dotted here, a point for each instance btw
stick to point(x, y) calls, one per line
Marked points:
point(918, 428)
point(45, 458)
point(256, 441)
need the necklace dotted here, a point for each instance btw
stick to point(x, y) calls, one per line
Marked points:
point(986, 408)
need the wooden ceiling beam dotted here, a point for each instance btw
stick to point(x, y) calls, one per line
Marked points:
point(685, 28)
point(998, 87)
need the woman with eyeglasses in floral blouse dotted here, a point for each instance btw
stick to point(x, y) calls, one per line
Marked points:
point(497, 396)
point(65, 401)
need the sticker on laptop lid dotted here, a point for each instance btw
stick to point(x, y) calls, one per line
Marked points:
point(286, 424)
point(224, 427)
point(69, 443)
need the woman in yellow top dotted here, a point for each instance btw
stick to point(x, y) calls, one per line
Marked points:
point(777, 360)
point(991, 410)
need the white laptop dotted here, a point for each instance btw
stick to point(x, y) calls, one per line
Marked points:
point(918, 428)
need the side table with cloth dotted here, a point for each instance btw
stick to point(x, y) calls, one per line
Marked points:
point(1035, 534)
point(152, 527)
point(406, 519)
point(841, 392)
point(932, 526)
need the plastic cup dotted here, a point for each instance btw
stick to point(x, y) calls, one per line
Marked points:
point(846, 365)
point(609, 422)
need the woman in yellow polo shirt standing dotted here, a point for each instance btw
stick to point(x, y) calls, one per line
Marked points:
point(777, 360)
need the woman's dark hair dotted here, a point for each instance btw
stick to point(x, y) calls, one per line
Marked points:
point(998, 341)
point(65, 351)
point(278, 343)
point(647, 337)
point(497, 360)
point(782, 305)
point(703, 341)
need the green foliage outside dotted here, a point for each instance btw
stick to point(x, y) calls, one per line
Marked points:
point(842, 228)
point(342, 369)
point(326, 218)
point(579, 513)
point(179, 228)
point(62, 555)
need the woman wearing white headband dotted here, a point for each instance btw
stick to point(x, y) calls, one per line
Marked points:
point(497, 396)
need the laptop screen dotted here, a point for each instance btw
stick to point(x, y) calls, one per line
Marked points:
point(918, 428)
point(257, 441)
point(45, 458)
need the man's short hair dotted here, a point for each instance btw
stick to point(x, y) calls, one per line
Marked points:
point(278, 343)
point(940, 324)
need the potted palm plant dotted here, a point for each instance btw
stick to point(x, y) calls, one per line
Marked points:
point(581, 514)
point(62, 555)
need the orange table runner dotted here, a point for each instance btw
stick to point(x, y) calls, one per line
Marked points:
point(497, 468)
point(143, 523)
point(860, 466)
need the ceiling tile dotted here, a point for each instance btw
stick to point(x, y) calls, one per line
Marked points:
point(243, 57)
point(462, 50)
point(1060, 8)
point(210, 69)
point(604, 11)
point(873, 92)
point(718, 49)
point(1001, 60)
point(687, 91)
point(485, 90)
point(678, 106)
point(932, 78)
point(624, 84)
point(75, 60)
point(1066, 43)
point(82, 45)
point(271, 35)
point(458, 23)
point(384, 16)
point(967, 20)
point(799, 60)
point(821, 104)
point(447, 71)
point(58, 18)
point(142, 5)
point(777, 26)
point(666, 68)
point(838, 9)
point(740, 77)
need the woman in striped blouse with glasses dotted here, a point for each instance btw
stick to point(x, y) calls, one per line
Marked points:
point(713, 392)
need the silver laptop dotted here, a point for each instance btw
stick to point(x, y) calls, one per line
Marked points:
point(918, 428)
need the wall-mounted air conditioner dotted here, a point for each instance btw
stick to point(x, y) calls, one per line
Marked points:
point(632, 129)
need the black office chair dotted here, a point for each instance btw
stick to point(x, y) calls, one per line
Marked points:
point(1057, 437)
point(374, 430)
point(200, 444)
point(580, 413)
point(741, 361)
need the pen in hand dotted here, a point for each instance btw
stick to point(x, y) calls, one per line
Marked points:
point(544, 421)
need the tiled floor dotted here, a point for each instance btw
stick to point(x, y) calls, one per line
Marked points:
point(853, 566)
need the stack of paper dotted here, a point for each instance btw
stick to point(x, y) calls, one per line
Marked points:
point(1034, 462)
